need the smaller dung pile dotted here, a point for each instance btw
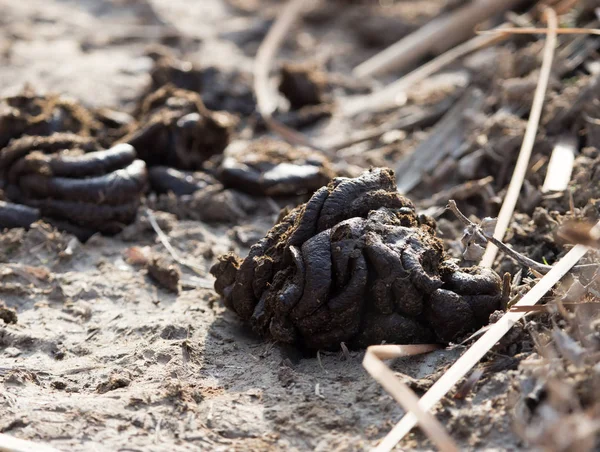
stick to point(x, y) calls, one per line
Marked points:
point(74, 183)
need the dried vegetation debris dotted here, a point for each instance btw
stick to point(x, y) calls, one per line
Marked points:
point(355, 264)
point(556, 397)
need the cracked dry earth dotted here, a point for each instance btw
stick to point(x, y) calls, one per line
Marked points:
point(101, 358)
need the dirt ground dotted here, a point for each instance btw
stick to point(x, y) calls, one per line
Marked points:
point(103, 358)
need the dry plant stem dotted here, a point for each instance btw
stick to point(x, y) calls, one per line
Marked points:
point(516, 182)
point(472, 356)
point(542, 31)
point(165, 241)
point(512, 253)
point(265, 99)
point(373, 363)
point(11, 444)
point(337, 143)
point(437, 36)
point(387, 97)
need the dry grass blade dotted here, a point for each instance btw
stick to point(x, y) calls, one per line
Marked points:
point(516, 182)
point(373, 363)
point(472, 356)
point(266, 101)
point(438, 35)
point(11, 444)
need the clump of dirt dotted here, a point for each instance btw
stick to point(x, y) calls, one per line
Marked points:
point(272, 167)
point(302, 84)
point(99, 190)
point(8, 315)
point(175, 129)
point(355, 264)
point(165, 272)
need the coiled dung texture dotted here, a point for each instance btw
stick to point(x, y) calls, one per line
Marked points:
point(70, 178)
point(355, 264)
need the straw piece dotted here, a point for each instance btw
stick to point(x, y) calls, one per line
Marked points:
point(267, 102)
point(11, 444)
point(560, 166)
point(373, 363)
point(516, 182)
point(472, 356)
point(436, 36)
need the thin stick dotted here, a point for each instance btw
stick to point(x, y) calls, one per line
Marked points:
point(542, 31)
point(266, 101)
point(389, 95)
point(524, 260)
point(534, 266)
point(164, 239)
point(437, 35)
point(472, 356)
point(11, 444)
point(373, 363)
point(516, 182)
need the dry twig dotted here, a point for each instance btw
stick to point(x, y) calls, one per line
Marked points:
point(265, 99)
point(438, 36)
point(447, 136)
point(389, 96)
point(516, 182)
point(541, 31)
